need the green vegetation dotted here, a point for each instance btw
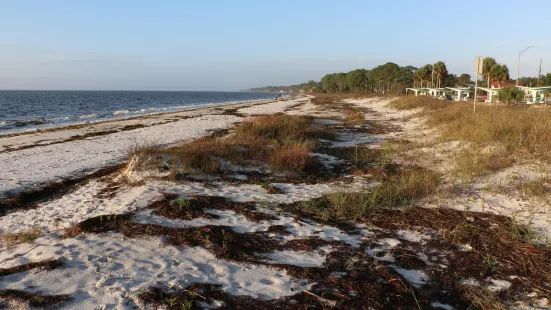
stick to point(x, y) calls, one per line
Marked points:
point(492, 71)
point(392, 78)
point(316, 87)
point(387, 78)
point(510, 94)
point(399, 188)
point(394, 186)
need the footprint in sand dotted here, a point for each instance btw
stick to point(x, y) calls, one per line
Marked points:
point(91, 257)
point(266, 282)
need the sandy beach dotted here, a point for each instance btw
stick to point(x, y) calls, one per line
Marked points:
point(244, 237)
point(71, 151)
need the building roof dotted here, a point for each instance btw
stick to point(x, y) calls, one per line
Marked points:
point(496, 84)
point(462, 89)
point(486, 89)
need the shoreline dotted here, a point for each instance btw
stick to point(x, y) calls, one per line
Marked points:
point(10, 141)
point(32, 160)
point(77, 124)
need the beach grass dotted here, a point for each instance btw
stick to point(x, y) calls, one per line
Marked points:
point(354, 118)
point(283, 142)
point(498, 135)
point(517, 128)
point(393, 187)
point(27, 236)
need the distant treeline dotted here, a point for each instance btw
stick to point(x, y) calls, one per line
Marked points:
point(392, 78)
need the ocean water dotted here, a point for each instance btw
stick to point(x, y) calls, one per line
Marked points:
point(25, 110)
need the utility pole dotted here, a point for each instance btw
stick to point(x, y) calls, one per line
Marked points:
point(477, 70)
point(539, 74)
point(518, 67)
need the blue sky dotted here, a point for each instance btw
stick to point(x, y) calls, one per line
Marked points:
point(232, 45)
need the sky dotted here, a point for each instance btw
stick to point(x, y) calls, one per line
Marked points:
point(238, 44)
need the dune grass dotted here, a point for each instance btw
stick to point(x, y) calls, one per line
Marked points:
point(415, 102)
point(283, 142)
point(354, 118)
point(473, 162)
point(27, 236)
point(332, 98)
point(394, 187)
point(499, 135)
point(517, 128)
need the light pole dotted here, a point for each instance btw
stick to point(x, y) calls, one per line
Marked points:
point(518, 62)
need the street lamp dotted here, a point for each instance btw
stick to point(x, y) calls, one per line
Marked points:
point(518, 62)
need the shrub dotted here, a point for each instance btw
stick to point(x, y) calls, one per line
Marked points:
point(510, 94)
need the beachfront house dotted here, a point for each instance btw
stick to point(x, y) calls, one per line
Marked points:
point(461, 93)
point(490, 93)
point(536, 94)
point(434, 92)
point(532, 95)
point(417, 91)
point(438, 92)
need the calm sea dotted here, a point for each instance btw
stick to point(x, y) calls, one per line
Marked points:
point(24, 110)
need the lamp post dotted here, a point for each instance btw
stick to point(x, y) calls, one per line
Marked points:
point(518, 61)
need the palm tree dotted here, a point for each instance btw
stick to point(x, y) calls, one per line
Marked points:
point(427, 72)
point(420, 75)
point(503, 74)
point(487, 65)
point(418, 78)
point(441, 72)
point(499, 73)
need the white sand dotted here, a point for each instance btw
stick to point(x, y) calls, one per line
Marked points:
point(109, 270)
point(77, 206)
point(273, 108)
point(24, 168)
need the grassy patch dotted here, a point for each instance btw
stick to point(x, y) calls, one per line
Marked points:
point(283, 142)
point(27, 236)
point(395, 187)
point(500, 135)
point(334, 98)
point(517, 128)
point(415, 102)
point(356, 118)
point(535, 188)
point(474, 162)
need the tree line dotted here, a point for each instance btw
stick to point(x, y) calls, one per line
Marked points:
point(392, 78)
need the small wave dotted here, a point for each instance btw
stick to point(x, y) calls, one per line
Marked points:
point(121, 112)
point(36, 121)
point(88, 115)
point(55, 119)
